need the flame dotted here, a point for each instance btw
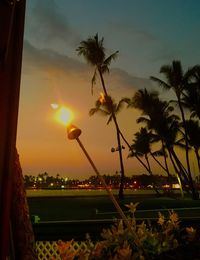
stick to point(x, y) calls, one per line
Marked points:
point(55, 106)
point(64, 115)
point(102, 98)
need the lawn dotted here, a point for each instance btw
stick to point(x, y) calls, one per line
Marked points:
point(100, 207)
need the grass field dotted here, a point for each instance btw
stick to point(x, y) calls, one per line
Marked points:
point(72, 216)
point(79, 207)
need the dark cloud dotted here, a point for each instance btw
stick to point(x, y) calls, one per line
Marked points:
point(45, 58)
point(46, 24)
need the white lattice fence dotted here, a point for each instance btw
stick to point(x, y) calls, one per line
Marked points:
point(47, 250)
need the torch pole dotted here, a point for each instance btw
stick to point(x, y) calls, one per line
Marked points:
point(117, 206)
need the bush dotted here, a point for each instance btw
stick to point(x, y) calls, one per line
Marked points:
point(164, 240)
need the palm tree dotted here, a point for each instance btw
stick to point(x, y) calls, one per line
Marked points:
point(141, 147)
point(106, 106)
point(191, 94)
point(93, 51)
point(158, 118)
point(177, 80)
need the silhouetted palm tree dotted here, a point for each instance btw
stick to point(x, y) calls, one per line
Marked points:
point(141, 147)
point(177, 81)
point(107, 107)
point(93, 51)
point(158, 118)
point(191, 94)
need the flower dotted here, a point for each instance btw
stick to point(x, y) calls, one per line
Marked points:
point(174, 218)
point(132, 207)
point(161, 219)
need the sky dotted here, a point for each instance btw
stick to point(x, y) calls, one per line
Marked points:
point(147, 34)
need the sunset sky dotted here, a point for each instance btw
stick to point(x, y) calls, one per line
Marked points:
point(147, 33)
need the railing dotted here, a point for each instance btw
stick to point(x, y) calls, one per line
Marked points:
point(47, 250)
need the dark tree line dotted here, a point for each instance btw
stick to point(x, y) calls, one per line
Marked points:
point(44, 181)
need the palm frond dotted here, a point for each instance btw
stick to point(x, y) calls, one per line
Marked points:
point(92, 50)
point(107, 62)
point(126, 100)
point(93, 111)
point(120, 106)
point(142, 119)
point(158, 153)
point(161, 83)
point(98, 110)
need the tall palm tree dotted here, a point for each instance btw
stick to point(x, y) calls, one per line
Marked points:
point(93, 51)
point(176, 80)
point(106, 106)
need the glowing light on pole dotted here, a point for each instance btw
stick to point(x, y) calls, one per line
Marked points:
point(65, 117)
point(63, 114)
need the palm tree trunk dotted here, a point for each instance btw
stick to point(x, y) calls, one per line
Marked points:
point(150, 172)
point(164, 168)
point(181, 169)
point(130, 148)
point(195, 194)
point(165, 160)
point(138, 158)
point(198, 158)
point(178, 176)
point(121, 188)
point(102, 82)
point(186, 138)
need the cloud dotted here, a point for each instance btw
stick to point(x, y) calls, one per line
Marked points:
point(47, 58)
point(44, 60)
point(46, 24)
point(125, 79)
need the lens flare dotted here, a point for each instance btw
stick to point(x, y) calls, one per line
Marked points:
point(64, 115)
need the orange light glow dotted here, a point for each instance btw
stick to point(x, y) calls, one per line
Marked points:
point(102, 98)
point(64, 115)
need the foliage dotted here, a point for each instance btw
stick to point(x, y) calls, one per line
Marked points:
point(118, 242)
